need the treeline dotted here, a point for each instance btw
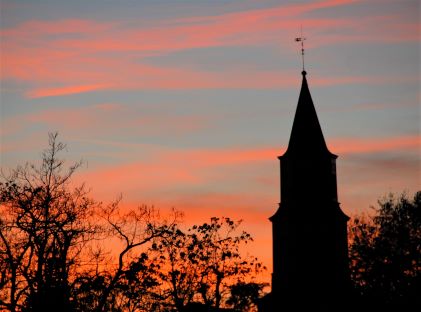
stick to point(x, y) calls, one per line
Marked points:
point(60, 250)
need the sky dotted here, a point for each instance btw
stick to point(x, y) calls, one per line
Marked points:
point(187, 104)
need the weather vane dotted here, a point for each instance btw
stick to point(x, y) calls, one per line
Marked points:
point(301, 39)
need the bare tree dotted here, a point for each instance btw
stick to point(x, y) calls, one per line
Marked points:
point(44, 223)
point(133, 275)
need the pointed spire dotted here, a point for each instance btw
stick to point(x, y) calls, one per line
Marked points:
point(306, 135)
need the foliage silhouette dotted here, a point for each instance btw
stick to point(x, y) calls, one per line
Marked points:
point(204, 263)
point(245, 296)
point(385, 254)
point(54, 256)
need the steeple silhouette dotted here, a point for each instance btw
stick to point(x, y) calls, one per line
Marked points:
point(306, 134)
point(310, 250)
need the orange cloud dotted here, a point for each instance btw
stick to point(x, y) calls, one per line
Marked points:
point(168, 168)
point(37, 93)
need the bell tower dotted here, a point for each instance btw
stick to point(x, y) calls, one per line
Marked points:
point(310, 249)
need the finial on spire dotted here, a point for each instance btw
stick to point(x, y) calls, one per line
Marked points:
point(301, 39)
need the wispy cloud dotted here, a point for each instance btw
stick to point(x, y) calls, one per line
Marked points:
point(108, 118)
point(168, 168)
point(37, 93)
point(374, 145)
point(62, 57)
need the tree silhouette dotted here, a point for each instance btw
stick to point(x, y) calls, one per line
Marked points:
point(385, 253)
point(130, 282)
point(44, 222)
point(53, 254)
point(245, 296)
point(202, 264)
point(47, 231)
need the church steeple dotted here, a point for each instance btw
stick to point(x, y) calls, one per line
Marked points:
point(306, 135)
point(310, 251)
point(310, 248)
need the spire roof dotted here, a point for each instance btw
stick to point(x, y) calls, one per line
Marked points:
point(306, 135)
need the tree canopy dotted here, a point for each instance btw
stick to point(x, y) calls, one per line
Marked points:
point(385, 252)
point(205, 265)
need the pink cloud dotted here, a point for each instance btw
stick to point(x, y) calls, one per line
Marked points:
point(374, 145)
point(39, 28)
point(37, 93)
point(168, 170)
point(195, 32)
point(110, 107)
point(201, 158)
point(43, 53)
point(101, 120)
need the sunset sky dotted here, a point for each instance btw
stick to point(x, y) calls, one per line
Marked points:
point(187, 104)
